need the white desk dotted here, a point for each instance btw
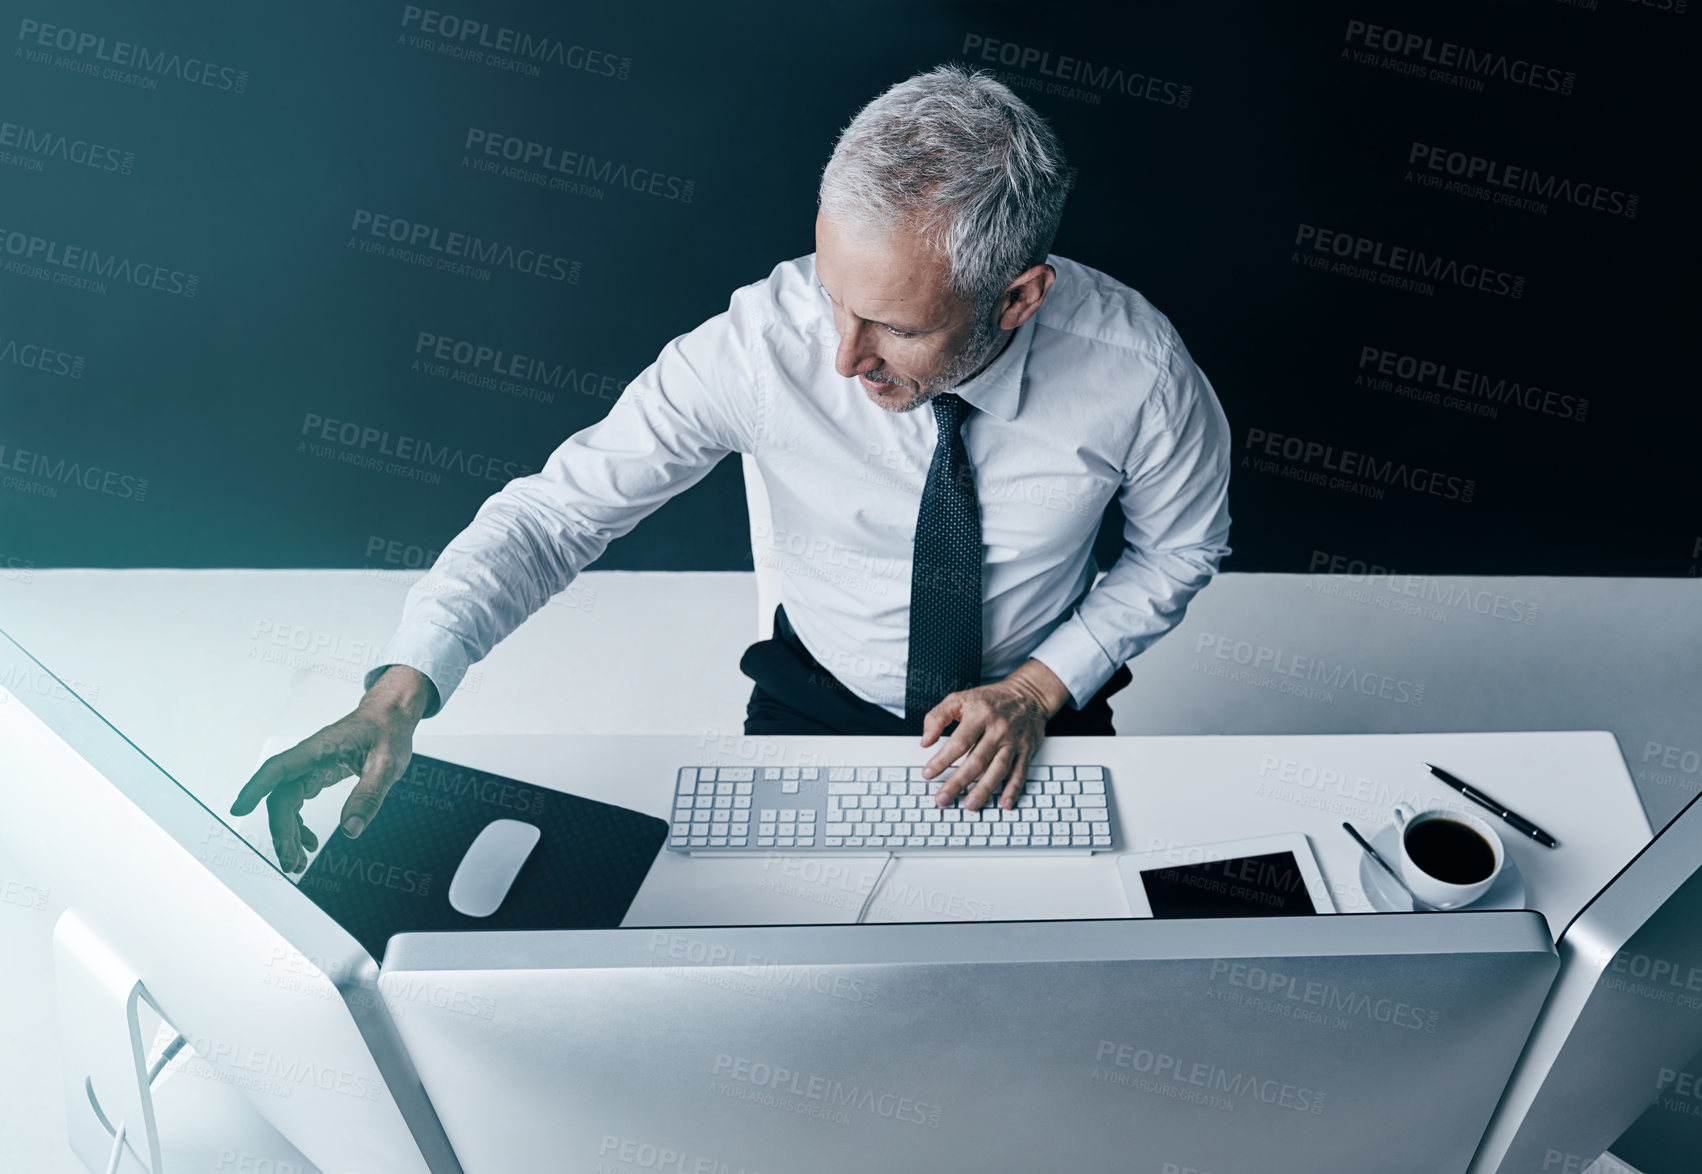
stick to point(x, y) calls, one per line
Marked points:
point(1170, 792)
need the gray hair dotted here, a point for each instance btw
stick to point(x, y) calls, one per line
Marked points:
point(956, 156)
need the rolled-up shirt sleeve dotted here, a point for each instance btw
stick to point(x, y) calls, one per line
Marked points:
point(700, 400)
point(1175, 501)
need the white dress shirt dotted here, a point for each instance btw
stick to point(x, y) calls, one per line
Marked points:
point(1094, 394)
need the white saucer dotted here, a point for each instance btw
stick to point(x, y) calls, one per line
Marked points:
point(1508, 891)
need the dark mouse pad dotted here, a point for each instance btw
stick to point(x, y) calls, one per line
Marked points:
point(583, 873)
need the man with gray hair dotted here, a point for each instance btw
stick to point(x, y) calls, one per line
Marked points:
point(935, 568)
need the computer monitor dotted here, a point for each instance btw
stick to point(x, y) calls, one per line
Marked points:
point(1623, 1026)
point(167, 906)
point(1353, 1042)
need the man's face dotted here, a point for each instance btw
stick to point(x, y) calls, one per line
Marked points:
point(902, 334)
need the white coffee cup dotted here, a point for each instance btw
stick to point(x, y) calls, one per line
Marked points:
point(1434, 890)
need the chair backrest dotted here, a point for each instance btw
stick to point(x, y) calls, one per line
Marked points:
point(764, 553)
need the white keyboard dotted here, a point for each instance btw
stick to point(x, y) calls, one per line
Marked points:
point(852, 809)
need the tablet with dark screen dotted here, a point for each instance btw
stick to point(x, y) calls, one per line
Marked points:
point(1244, 886)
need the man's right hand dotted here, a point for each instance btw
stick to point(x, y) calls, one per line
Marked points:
point(374, 742)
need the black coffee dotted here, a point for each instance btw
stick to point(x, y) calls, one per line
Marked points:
point(1450, 851)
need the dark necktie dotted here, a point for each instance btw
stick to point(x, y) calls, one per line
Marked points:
point(945, 580)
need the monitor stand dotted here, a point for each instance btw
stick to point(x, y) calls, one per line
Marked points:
point(104, 1058)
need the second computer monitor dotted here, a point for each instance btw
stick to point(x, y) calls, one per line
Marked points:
point(1235, 1046)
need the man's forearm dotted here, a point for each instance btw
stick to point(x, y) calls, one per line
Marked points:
point(1040, 682)
point(404, 688)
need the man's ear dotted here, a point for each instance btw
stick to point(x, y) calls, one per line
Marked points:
point(1023, 296)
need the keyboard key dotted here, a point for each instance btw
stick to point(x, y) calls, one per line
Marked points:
point(840, 774)
point(868, 774)
point(723, 788)
point(916, 774)
point(1090, 800)
point(1037, 773)
point(742, 788)
point(735, 774)
point(783, 842)
point(717, 841)
point(788, 815)
point(1093, 788)
point(1090, 772)
point(848, 788)
point(834, 841)
point(682, 829)
point(809, 773)
point(741, 802)
point(1063, 772)
point(770, 773)
point(739, 829)
point(894, 774)
point(807, 815)
point(789, 772)
point(699, 841)
point(765, 842)
point(789, 787)
point(768, 814)
point(765, 829)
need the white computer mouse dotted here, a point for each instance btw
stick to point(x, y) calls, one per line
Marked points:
point(490, 866)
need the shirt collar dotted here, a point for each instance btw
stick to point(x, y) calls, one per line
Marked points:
point(998, 389)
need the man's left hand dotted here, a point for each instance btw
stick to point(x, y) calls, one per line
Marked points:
point(999, 727)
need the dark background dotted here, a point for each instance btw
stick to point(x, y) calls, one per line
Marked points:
point(1197, 204)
